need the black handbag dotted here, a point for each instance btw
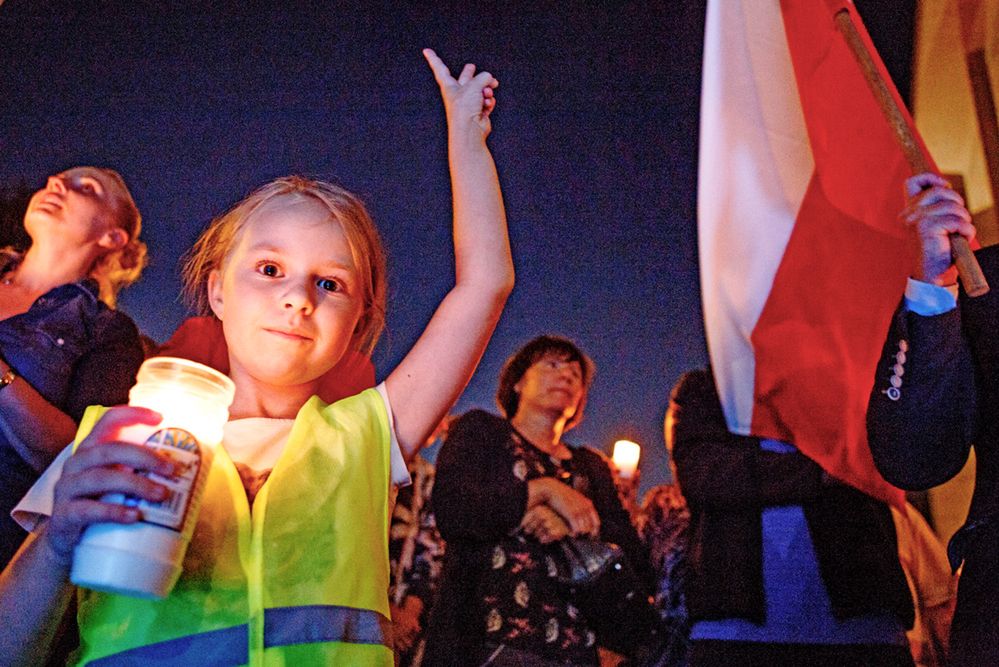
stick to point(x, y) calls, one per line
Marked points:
point(605, 588)
point(583, 560)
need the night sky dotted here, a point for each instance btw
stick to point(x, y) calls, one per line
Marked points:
point(595, 138)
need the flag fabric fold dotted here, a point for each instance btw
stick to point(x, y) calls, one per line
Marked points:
point(803, 260)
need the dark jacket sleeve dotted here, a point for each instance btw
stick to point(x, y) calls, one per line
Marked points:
point(104, 374)
point(718, 469)
point(920, 431)
point(476, 495)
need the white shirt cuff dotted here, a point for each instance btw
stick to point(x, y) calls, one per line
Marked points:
point(929, 299)
point(36, 506)
point(400, 474)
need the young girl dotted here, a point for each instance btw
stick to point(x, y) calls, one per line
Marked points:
point(297, 574)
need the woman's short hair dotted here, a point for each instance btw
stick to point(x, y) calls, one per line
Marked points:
point(213, 247)
point(508, 398)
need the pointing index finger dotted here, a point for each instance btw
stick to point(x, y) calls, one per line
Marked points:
point(437, 66)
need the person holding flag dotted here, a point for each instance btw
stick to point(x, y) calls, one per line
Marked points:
point(935, 392)
point(802, 265)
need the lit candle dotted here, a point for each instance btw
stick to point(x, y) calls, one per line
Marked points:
point(145, 558)
point(626, 455)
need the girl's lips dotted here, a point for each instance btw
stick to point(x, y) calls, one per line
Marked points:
point(288, 335)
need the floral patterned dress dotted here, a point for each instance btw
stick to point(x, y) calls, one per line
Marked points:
point(499, 587)
point(521, 604)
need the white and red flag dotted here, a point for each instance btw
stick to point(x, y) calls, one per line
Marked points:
point(803, 260)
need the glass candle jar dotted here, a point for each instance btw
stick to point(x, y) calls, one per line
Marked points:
point(145, 558)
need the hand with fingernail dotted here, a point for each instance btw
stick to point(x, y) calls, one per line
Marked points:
point(103, 464)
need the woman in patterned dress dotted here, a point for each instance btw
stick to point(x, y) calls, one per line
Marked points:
point(507, 490)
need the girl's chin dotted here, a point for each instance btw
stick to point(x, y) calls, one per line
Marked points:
point(283, 378)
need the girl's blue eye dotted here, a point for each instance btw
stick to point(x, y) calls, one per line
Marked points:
point(328, 284)
point(269, 270)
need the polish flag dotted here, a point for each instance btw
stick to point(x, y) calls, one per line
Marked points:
point(803, 260)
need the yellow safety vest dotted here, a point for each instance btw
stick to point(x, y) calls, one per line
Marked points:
point(303, 580)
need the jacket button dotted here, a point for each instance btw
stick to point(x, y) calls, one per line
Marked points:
point(893, 393)
point(896, 381)
point(898, 370)
point(900, 357)
point(59, 341)
point(903, 345)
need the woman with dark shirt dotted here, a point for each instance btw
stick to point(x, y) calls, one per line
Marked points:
point(507, 490)
point(62, 344)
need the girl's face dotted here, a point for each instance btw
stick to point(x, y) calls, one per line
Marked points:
point(551, 384)
point(76, 205)
point(288, 295)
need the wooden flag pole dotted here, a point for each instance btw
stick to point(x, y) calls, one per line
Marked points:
point(967, 266)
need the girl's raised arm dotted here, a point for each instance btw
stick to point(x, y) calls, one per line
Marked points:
point(434, 373)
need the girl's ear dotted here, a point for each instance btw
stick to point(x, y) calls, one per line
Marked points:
point(215, 292)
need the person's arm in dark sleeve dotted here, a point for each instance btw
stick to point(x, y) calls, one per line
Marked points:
point(104, 375)
point(921, 414)
point(476, 494)
point(718, 469)
point(37, 429)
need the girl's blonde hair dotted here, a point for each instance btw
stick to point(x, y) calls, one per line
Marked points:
point(215, 244)
point(120, 268)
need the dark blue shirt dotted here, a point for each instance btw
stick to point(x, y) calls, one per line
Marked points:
point(75, 352)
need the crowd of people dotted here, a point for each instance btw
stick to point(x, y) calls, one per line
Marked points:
point(343, 545)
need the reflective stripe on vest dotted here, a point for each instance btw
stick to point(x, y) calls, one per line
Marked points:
point(324, 623)
point(229, 646)
point(282, 627)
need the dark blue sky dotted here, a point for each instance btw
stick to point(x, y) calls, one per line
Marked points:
point(595, 138)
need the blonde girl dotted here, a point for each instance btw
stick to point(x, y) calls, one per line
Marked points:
point(292, 567)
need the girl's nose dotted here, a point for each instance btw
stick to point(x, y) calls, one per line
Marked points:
point(299, 297)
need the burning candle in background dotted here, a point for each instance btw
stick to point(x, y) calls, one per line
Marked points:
point(625, 457)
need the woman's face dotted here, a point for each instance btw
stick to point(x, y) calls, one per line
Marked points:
point(77, 206)
point(551, 384)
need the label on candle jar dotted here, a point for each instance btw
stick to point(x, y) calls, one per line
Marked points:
point(184, 488)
